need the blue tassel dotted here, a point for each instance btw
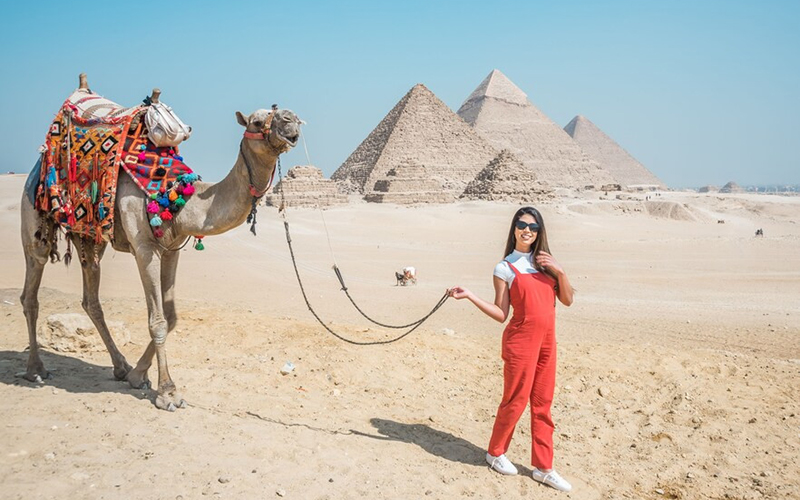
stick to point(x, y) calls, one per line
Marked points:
point(156, 221)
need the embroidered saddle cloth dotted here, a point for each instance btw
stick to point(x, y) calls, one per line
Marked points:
point(89, 141)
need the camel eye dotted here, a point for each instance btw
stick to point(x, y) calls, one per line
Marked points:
point(258, 123)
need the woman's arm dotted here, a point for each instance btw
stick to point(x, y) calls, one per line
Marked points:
point(497, 311)
point(565, 291)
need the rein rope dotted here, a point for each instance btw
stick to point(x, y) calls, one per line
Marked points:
point(414, 325)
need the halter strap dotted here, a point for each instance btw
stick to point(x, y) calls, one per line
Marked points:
point(255, 135)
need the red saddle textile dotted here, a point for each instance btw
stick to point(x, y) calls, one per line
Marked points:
point(90, 139)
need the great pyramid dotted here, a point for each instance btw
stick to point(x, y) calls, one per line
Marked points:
point(623, 167)
point(304, 186)
point(502, 114)
point(505, 178)
point(419, 130)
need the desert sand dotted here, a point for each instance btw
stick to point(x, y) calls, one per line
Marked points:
point(678, 375)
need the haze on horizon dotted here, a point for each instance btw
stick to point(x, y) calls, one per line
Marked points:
point(700, 93)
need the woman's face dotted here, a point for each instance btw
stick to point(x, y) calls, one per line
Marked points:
point(526, 234)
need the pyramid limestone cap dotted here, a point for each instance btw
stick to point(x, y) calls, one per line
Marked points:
point(498, 86)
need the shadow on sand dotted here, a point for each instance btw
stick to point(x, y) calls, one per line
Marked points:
point(69, 373)
point(439, 443)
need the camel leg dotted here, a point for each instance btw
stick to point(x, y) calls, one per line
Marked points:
point(169, 265)
point(90, 267)
point(149, 264)
point(35, 260)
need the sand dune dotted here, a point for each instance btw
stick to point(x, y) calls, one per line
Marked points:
point(679, 363)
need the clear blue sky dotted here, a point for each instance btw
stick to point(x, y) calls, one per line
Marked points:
point(701, 92)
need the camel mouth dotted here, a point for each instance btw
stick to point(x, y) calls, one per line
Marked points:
point(290, 140)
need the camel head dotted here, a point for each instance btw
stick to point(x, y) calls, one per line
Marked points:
point(280, 127)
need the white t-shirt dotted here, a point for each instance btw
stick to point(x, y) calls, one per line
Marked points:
point(522, 263)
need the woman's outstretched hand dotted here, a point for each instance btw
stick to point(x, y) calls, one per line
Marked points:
point(458, 292)
point(547, 261)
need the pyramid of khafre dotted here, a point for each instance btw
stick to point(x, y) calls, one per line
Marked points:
point(505, 178)
point(304, 186)
point(619, 163)
point(420, 130)
point(502, 114)
point(409, 183)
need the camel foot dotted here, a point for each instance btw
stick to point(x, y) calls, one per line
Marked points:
point(121, 372)
point(170, 401)
point(36, 374)
point(138, 380)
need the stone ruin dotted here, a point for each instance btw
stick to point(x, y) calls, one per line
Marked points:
point(419, 132)
point(305, 186)
point(505, 178)
point(409, 183)
point(623, 167)
point(502, 114)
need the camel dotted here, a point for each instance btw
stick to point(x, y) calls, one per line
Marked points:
point(214, 209)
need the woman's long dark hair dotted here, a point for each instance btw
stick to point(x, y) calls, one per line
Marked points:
point(539, 244)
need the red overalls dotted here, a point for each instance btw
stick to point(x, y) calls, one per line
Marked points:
point(529, 352)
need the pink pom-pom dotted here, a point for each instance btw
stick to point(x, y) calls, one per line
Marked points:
point(152, 207)
point(158, 232)
point(142, 156)
point(166, 215)
point(188, 190)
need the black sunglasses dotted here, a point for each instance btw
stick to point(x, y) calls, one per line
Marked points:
point(534, 227)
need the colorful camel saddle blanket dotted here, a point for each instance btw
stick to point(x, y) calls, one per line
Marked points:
point(89, 141)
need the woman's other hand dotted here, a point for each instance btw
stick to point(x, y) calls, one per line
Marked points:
point(547, 261)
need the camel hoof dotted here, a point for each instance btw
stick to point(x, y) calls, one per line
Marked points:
point(137, 381)
point(182, 404)
point(35, 377)
point(121, 372)
point(163, 403)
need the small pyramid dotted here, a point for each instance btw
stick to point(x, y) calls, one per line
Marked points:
point(502, 114)
point(409, 183)
point(731, 187)
point(304, 186)
point(625, 169)
point(505, 178)
point(419, 130)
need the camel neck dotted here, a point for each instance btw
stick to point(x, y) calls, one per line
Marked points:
point(216, 208)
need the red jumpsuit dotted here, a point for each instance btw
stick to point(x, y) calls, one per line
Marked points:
point(529, 352)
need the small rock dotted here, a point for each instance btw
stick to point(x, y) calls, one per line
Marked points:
point(603, 391)
point(752, 420)
point(567, 387)
point(49, 456)
point(659, 491)
point(448, 331)
point(287, 368)
point(224, 479)
point(54, 428)
point(55, 391)
point(689, 475)
point(330, 480)
point(281, 493)
point(336, 392)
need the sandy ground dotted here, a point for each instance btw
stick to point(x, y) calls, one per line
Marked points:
point(678, 377)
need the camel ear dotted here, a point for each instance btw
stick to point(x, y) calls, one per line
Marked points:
point(241, 119)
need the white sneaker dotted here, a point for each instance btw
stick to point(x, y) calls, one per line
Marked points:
point(501, 464)
point(551, 479)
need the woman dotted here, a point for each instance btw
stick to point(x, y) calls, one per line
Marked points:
point(529, 279)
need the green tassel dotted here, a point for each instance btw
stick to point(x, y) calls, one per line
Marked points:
point(199, 246)
point(94, 192)
point(154, 196)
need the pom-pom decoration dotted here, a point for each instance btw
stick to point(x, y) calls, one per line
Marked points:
point(156, 221)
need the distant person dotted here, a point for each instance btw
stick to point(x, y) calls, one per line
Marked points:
point(528, 280)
